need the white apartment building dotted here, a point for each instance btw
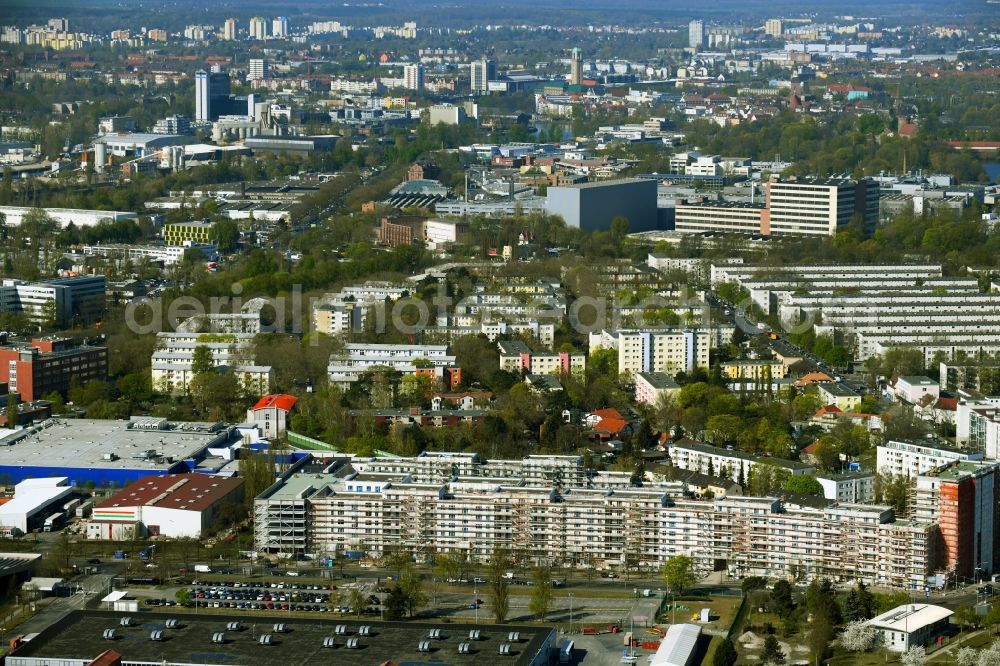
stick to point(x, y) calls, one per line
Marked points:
point(595, 527)
point(660, 350)
point(349, 309)
point(515, 356)
point(850, 487)
point(739, 272)
point(258, 69)
point(977, 425)
point(916, 389)
point(347, 366)
point(413, 76)
point(726, 463)
point(171, 367)
point(912, 459)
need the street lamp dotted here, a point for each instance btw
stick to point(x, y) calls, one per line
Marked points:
point(571, 612)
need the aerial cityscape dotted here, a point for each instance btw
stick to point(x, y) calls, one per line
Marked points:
point(435, 333)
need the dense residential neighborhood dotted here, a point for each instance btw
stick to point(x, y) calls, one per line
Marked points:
point(431, 334)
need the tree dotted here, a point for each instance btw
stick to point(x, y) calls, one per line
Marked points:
point(859, 604)
point(619, 229)
point(803, 484)
point(411, 585)
point(395, 604)
point(751, 583)
point(541, 593)
point(820, 634)
point(10, 411)
point(772, 653)
point(183, 596)
point(966, 655)
point(725, 654)
point(201, 360)
point(225, 234)
point(858, 636)
point(499, 585)
point(678, 573)
point(915, 656)
point(357, 601)
point(781, 603)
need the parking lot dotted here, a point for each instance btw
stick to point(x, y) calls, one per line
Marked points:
point(273, 596)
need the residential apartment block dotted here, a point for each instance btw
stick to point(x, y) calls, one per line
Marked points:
point(667, 350)
point(516, 356)
point(374, 508)
point(912, 459)
point(651, 387)
point(727, 463)
point(173, 359)
point(347, 366)
point(852, 487)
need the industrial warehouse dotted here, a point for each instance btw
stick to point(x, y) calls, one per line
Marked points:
point(115, 452)
point(262, 641)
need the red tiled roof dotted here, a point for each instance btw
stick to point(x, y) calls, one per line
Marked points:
point(611, 425)
point(282, 401)
point(191, 492)
point(811, 449)
point(828, 409)
point(947, 404)
point(607, 413)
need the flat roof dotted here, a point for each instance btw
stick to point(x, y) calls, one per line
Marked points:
point(602, 183)
point(85, 442)
point(79, 636)
point(659, 380)
point(910, 618)
point(191, 492)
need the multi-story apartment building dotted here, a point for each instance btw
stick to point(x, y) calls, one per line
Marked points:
point(912, 459)
point(413, 76)
point(668, 350)
point(962, 499)
point(258, 69)
point(852, 487)
point(726, 217)
point(173, 360)
point(727, 463)
point(516, 356)
point(308, 511)
point(977, 425)
point(651, 387)
point(347, 366)
point(349, 309)
point(755, 370)
point(481, 72)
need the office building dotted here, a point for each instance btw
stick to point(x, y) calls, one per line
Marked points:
point(911, 459)
point(593, 206)
point(176, 124)
point(180, 233)
point(258, 69)
point(229, 29)
point(258, 28)
point(819, 207)
point(773, 28)
point(177, 506)
point(58, 302)
point(50, 364)
point(719, 216)
point(576, 67)
point(202, 96)
point(516, 357)
point(413, 76)
point(481, 73)
point(279, 27)
point(696, 34)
